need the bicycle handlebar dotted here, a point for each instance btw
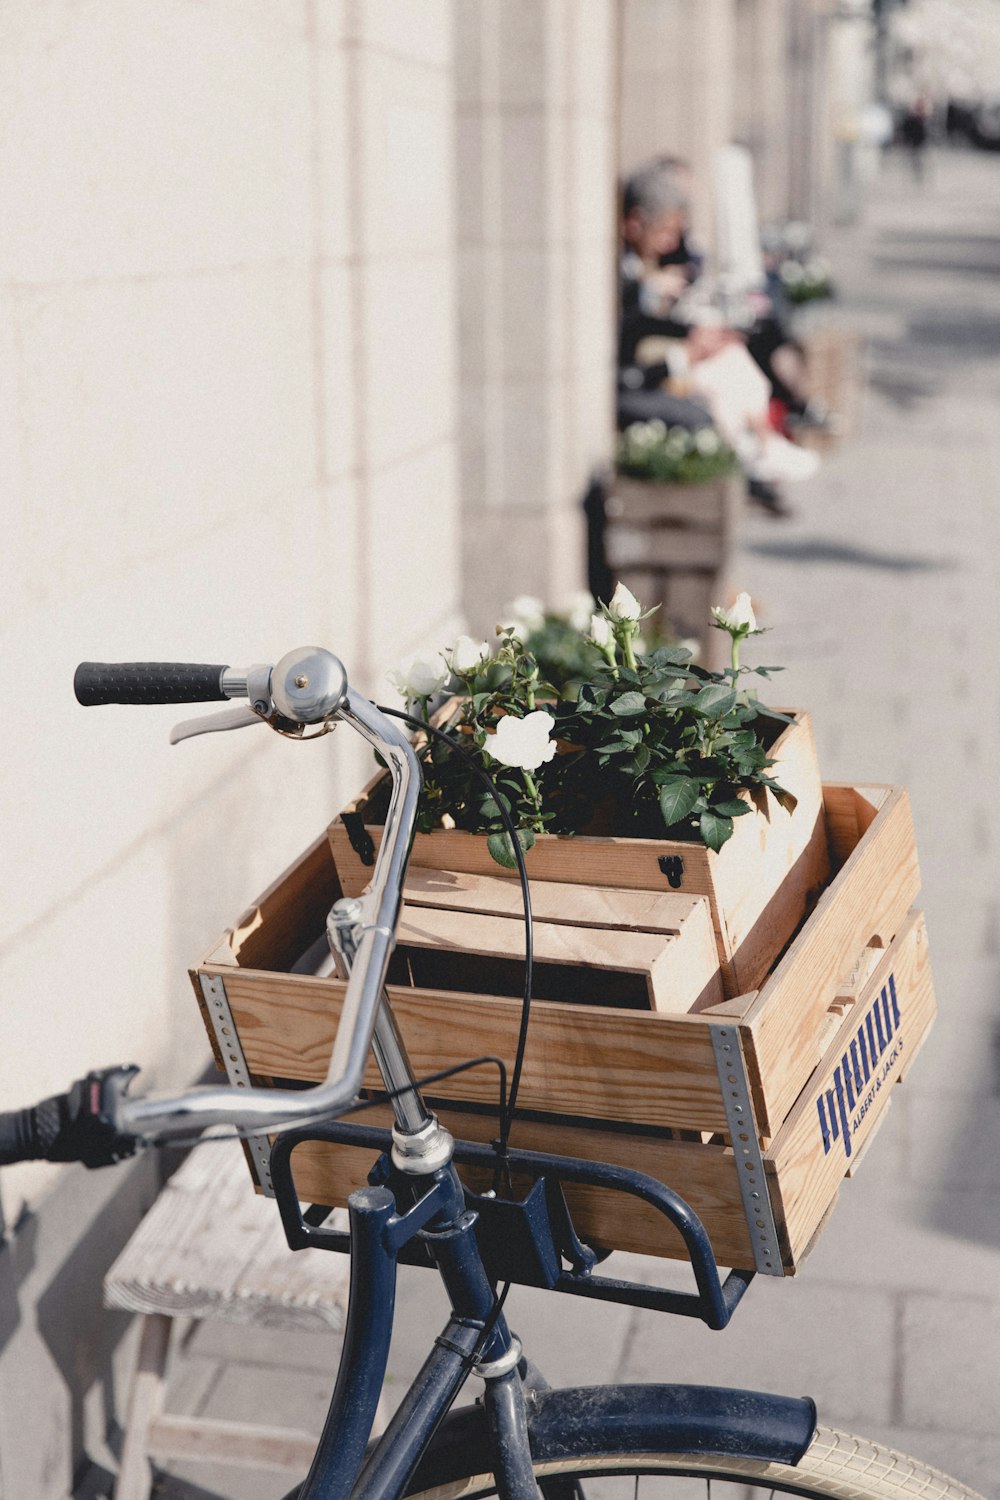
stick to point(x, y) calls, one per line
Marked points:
point(76, 1126)
point(147, 682)
point(308, 686)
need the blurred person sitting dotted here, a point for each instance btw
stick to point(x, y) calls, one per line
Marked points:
point(653, 212)
point(702, 358)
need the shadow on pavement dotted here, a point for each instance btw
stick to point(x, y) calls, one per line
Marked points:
point(844, 554)
point(967, 333)
point(902, 390)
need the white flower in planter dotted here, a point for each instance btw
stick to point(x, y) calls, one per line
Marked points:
point(706, 440)
point(624, 605)
point(600, 631)
point(524, 614)
point(468, 656)
point(738, 619)
point(579, 608)
point(420, 676)
point(524, 743)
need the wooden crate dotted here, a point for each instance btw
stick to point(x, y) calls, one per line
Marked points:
point(819, 1043)
point(597, 945)
point(759, 885)
point(672, 545)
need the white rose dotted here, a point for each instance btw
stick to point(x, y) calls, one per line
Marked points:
point(578, 609)
point(420, 676)
point(468, 655)
point(624, 605)
point(527, 611)
point(600, 631)
point(706, 440)
point(739, 619)
point(524, 743)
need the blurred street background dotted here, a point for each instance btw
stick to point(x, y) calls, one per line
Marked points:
point(309, 332)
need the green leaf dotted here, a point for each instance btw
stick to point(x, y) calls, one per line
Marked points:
point(677, 798)
point(663, 656)
point(629, 704)
point(489, 807)
point(502, 849)
point(715, 699)
point(787, 800)
point(772, 713)
point(732, 807)
point(715, 830)
point(642, 758)
point(668, 772)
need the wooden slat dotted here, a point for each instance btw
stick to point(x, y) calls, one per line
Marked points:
point(209, 1248)
point(551, 901)
point(709, 507)
point(662, 547)
point(210, 1440)
point(580, 1060)
point(706, 1176)
point(145, 1404)
point(849, 814)
point(678, 969)
point(870, 896)
point(805, 1175)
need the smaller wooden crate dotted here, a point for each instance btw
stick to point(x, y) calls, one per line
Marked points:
point(840, 1017)
point(759, 885)
point(672, 545)
point(636, 949)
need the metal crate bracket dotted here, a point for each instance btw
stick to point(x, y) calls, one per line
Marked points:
point(731, 1066)
point(234, 1061)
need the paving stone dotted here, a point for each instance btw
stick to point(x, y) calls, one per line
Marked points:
point(834, 1343)
point(972, 1458)
point(951, 1362)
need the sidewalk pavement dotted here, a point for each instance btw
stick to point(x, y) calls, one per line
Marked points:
point(882, 598)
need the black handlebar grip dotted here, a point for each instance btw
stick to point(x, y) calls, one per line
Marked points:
point(28, 1134)
point(147, 682)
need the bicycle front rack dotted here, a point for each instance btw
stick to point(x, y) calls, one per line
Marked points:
point(531, 1240)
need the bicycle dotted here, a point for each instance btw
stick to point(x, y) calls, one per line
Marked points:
point(522, 1439)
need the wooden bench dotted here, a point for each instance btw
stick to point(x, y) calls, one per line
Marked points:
point(210, 1248)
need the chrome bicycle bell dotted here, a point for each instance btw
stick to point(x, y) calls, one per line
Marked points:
point(308, 685)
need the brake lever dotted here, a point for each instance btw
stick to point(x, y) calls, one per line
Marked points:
point(228, 718)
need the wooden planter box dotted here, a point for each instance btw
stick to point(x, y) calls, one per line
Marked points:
point(841, 1017)
point(759, 885)
point(672, 545)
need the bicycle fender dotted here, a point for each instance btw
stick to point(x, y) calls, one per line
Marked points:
point(611, 1419)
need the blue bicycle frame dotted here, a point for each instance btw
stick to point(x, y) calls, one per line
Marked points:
point(473, 1241)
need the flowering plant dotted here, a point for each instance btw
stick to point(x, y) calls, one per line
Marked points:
point(806, 281)
point(673, 455)
point(652, 744)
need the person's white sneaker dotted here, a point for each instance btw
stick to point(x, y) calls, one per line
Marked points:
point(774, 459)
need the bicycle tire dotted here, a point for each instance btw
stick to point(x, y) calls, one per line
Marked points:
point(836, 1466)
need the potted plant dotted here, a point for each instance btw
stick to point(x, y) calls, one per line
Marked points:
point(658, 774)
point(671, 518)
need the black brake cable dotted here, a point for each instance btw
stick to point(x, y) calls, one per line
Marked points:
point(506, 1114)
point(383, 1096)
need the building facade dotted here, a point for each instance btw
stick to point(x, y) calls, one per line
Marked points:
point(306, 335)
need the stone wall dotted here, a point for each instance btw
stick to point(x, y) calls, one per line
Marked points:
point(535, 170)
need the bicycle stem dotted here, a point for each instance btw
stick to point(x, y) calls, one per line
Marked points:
point(266, 1109)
